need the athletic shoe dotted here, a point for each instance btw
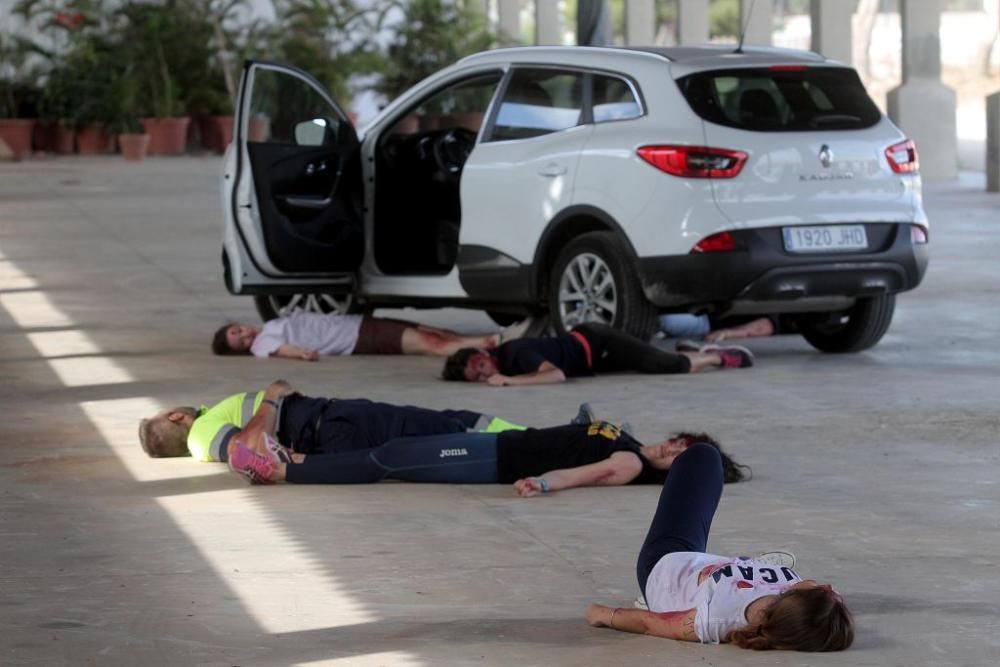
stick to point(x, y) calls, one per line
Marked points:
point(776, 558)
point(584, 415)
point(735, 356)
point(277, 452)
point(514, 331)
point(688, 345)
point(255, 467)
point(640, 602)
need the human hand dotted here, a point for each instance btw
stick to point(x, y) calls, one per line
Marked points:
point(498, 380)
point(278, 389)
point(528, 487)
point(717, 336)
point(309, 355)
point(595, 614)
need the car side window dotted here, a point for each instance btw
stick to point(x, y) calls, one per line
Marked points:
point(613, 99)
point(285, 109)
point(460, 105)
point(538, 102)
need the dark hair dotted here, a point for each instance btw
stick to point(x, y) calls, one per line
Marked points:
point(731, 470)
point(801, 619)
point(220, 342)
point(162, 438)
point(454, 366)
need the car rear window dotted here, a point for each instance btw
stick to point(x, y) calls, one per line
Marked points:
point(781, 99)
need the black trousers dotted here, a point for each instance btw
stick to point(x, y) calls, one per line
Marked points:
point(615, 350)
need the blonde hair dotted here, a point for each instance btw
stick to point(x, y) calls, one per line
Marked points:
point(162, 438)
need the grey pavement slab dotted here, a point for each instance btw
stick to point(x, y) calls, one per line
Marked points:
point(879, 470)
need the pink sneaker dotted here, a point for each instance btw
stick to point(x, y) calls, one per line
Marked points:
point(279, 453)
point(256, 468)
point(734, 356)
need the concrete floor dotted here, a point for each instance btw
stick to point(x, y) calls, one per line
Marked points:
point(878, 469)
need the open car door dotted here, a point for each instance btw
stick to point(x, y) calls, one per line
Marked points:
point(296, 199)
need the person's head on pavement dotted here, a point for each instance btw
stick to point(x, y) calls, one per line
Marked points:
point(164, 435)
point(234, 339)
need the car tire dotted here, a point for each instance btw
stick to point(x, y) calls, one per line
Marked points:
point(607, 261)
point(271, 306)
point(852, 330)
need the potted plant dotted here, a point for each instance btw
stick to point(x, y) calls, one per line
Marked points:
point(212, 110)
point(18, 97)
point(123, 101)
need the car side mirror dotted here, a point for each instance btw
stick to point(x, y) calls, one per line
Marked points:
point(314, 132)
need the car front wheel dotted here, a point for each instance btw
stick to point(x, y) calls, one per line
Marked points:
point(270, 306)
point(858, 328)
point(594, 280)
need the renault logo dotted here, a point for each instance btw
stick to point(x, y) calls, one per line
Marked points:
point(825, 155)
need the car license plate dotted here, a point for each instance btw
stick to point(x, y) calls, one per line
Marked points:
point(828, 238)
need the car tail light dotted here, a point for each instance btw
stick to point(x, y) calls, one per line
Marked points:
point(721, 242)
point(918, 234)
point(694, 161)
point(903, 157)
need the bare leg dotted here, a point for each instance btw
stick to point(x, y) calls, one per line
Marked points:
point(702, 360)
point(434, 343)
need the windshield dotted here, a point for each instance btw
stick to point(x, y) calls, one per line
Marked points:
point(781, 98)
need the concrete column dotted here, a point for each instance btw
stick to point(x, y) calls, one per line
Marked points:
point(760, 25)
point(640, 22)
point(993, 142)
point(548, 22)
point(831, 29)
point(922, 106)
point(509, 12)
point(692, 22)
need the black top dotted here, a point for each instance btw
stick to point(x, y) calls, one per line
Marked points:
point(525, 355)
point(536, 451)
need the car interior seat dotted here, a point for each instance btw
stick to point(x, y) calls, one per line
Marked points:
point(757, 108)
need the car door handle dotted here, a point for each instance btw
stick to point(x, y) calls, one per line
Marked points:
point(553, 170)
point(306, 201)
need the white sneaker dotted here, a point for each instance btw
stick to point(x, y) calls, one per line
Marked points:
point(640, 602)
point(276, 451)
point(776, 558)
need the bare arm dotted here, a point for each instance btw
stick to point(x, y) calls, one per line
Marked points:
point(547, 373)
point(619, 468)
point(263, 421)
point(668, 624)
point(295, 352)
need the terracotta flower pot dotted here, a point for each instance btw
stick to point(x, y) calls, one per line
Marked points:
point(259, 129)
point(133, 146)
point(167, 136)
point(16, 133)
point(62, 139)
point(93, 140)
point(222, 129)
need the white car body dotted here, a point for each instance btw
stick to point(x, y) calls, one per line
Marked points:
point(523, 200)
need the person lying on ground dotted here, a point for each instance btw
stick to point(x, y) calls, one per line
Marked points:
point(309, 336)
point(689, 328)
point(700, 597)
point(535, 461)
point(308, 424)
point(587, 349)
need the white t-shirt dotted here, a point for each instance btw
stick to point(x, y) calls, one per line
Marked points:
point(721, 599)
point(329, 335)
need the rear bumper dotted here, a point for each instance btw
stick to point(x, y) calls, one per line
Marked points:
point(760, 270)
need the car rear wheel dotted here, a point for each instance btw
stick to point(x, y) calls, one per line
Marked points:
point(594, 280)
point(858, 328)
point(270, 306)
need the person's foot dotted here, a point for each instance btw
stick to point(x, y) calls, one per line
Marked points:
point(255, 467)
point(776, 558)
point(734, 356)
point(514, 331)
point(584, 415)
point(276, 451)
point(688, 345)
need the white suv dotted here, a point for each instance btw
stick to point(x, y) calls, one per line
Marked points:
point(591, 184)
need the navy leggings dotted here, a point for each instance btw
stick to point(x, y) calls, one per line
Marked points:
point(615, 350)
point(684, 513)
point(452, 458)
